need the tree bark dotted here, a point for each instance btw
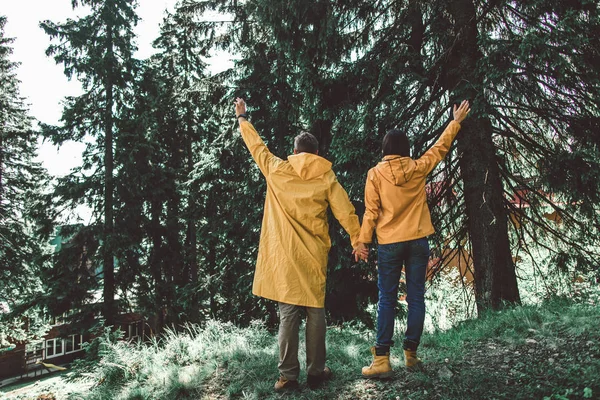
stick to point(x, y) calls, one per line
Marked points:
point(1, 166)
point(110, 309)
point(415, 42)
point(192, 253)
point(495, 278)
point(321, 128)
point(155, 263)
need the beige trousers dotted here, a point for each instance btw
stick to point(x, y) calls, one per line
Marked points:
point(289, 326)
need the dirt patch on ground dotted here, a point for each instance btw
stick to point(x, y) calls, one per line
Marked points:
point(492, 370)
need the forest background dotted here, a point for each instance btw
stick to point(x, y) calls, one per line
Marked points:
point(176, 201)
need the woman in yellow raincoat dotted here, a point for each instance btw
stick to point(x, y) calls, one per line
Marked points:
point(396, 208)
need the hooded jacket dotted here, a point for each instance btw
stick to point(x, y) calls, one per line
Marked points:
point(294, 240)
point(395, 199)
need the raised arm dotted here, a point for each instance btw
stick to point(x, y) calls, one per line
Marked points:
point(438, 151)
point(259, 150)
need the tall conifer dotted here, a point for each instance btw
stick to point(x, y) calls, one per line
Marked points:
point(24, 223)
point(98, 50)
point(358, 68)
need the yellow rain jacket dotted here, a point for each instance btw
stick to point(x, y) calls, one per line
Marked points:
point(294, 240)
point(395, 199)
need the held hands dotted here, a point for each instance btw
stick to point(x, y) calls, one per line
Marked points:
point(361, 252)
point(240, 106)
point(460, 113)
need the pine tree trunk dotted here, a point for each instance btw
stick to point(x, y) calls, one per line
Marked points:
point(176, 258)
point(321, 128)
point(192, 254)
point(495, 278)
point(155, 264)
point(110, 310)
point(1, 166)
point(210, 257)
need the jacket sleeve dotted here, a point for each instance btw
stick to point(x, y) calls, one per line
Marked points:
point(438, 151)
point(343, 210)
point(372, 207)
point(265, 160)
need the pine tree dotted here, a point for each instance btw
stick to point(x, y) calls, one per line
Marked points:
point(290, 72)
point(359, 68)
point(534, 100)
point(179, 73)
point(165, 125)
point(24, 223)
point(97, 49)
point(486, 216)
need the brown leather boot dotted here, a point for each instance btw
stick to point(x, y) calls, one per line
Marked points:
point(380, 367)
point(411, 360)
point(284, 384)
point(315, 381)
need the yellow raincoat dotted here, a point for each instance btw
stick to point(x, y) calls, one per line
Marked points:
point(294, 240)
point(395, 199)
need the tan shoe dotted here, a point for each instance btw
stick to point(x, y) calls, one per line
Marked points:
point(285, 384)
point(314, 381)
point(411, 360)
point(380, 367)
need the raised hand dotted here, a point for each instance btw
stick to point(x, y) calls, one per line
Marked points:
point(460, 113)
point(240, 106)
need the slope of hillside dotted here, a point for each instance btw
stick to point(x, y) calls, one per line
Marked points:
point(545, 352)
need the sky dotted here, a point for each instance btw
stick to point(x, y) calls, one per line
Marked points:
point(43, 82)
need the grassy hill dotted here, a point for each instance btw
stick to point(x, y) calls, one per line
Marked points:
point(545, 352)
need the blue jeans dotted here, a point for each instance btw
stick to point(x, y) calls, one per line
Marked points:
point(414, 255)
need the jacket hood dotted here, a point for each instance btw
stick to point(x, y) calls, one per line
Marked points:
point(308, 165)
point(397, 169)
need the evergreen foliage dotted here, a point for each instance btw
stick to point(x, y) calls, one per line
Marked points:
point(349, 71)
point(24, 222)
point(97, 50)
point(178, 201)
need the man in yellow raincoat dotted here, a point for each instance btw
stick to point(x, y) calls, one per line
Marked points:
point(294, 244)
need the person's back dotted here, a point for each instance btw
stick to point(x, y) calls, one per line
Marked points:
point(299, 191)
point(398, 183)
point(301, 184)
point(294, 244)
point(402, 197)
point(396, 208)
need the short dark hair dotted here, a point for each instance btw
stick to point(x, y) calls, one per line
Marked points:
point(395, 142)
point(306, 143)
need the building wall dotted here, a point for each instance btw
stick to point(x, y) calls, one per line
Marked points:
point(53, 349)
point(58, 348)
point(11, 362)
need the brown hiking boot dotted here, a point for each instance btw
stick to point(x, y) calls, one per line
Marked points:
point(380, 367)
point(284, 384)
point(314, 381)
point(411, 360)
